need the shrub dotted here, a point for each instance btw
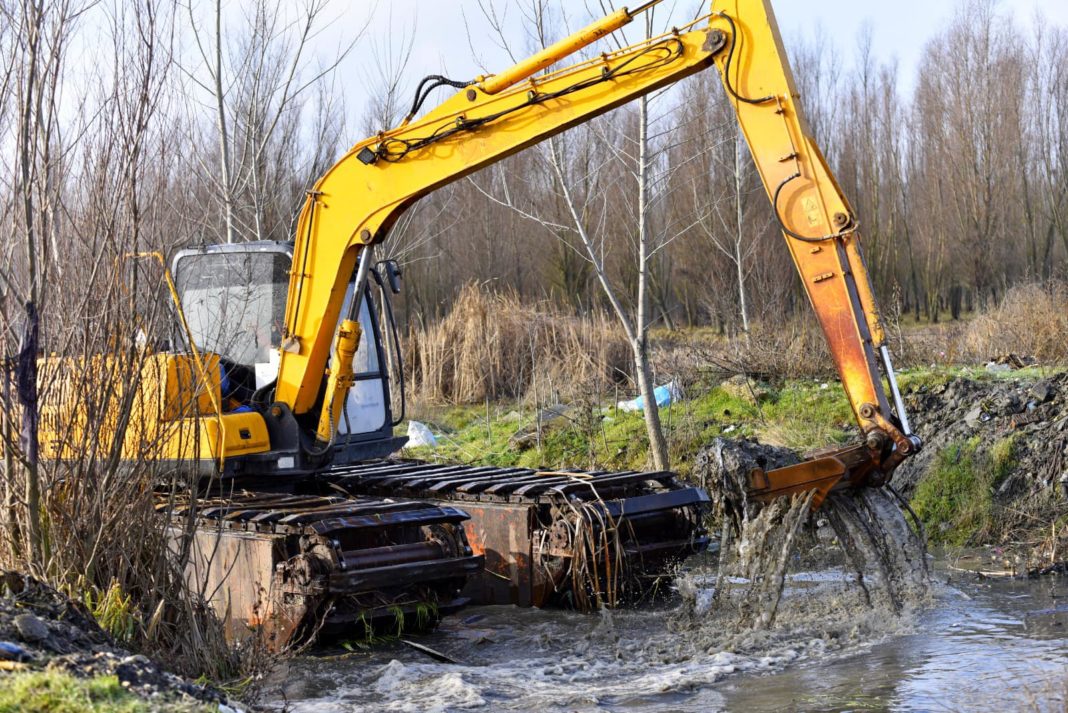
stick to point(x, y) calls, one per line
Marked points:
point(1032, 320)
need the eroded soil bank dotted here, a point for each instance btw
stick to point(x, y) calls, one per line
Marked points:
point(43, 631)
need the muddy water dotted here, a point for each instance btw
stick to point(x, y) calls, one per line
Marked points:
point(991, 645)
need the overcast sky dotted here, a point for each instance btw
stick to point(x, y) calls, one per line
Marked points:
point(900, 28)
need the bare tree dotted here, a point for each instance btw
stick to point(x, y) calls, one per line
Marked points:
point(256, 80)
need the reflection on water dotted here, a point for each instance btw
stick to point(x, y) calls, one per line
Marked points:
point(984, 645)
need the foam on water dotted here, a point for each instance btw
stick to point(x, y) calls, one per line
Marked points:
point(756, 610)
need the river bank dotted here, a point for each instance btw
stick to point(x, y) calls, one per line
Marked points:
point(994, 469)
point(55, 657)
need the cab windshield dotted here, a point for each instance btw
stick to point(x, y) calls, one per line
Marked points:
point(235, 302)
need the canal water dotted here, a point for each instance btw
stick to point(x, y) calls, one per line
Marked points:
point(992, 644)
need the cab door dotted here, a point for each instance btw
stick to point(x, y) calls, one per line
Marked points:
point(366, 427)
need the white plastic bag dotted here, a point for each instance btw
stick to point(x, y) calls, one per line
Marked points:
point(419, 436)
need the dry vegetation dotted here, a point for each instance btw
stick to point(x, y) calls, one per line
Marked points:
point(1031, 321)
point(493, 346)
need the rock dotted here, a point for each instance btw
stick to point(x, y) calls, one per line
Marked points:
point(30, 628)
point(61, 635)
point(549, 418)
point(1043, 391)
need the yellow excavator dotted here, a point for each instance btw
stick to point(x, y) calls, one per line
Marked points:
point(280, 394)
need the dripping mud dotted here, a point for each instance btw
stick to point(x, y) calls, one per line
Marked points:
point(840, 609)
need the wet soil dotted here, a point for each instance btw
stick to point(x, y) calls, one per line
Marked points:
point(42, 628)
point(1025, 417)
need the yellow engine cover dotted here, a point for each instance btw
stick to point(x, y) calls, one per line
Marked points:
point(162, 408)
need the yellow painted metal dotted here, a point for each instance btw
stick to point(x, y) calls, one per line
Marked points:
point(556, 51)
point(805, 195)
point(214, 394)
point(355, 203)
point(340, 379)
point(158, 407)
point(162, 406)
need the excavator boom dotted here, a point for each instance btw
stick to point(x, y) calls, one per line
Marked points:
point(354, 204)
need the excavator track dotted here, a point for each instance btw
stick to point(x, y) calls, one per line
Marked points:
point(291, 567)
point(582, 539)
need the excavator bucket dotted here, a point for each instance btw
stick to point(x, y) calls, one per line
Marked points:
point(822, 472)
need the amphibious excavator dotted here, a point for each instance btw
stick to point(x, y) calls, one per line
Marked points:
point(279, 394)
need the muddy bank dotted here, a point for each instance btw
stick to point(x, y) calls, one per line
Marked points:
point(994, 468)
point(42, 629)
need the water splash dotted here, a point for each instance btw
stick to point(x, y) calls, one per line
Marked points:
point(760, 543)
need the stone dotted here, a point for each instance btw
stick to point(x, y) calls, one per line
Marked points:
point(1043, 391)
point(741, 388)
point(30, 628)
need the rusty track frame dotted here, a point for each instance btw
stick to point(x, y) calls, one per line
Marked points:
point(582, 539)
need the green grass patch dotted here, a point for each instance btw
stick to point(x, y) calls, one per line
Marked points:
point(955, 498)
point(57, 692)
point(800, 415)
point(933, 376)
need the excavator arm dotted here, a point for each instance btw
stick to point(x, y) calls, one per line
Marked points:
point(352, 207)
point(822, 235)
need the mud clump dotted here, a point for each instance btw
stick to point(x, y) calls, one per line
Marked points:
point(762, 543)
point(42, 628)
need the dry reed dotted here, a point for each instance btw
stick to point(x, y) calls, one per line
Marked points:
point(492, 346)
point(1032, 320)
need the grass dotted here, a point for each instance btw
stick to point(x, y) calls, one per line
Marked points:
point(801, 415)
point(114, 610)
point(59, 692)
point(955, 499)
point(956, 496)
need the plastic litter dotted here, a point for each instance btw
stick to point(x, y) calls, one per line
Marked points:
point(664, 395)
point(10, 651)
point(419, 436)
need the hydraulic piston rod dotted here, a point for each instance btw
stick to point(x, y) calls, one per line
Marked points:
point(558, 50)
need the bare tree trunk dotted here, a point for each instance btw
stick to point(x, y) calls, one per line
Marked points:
point(739, 234)
point(10, 512)
point(26, 363)
point(224, 137)
point(658, 448)
point(26, 386)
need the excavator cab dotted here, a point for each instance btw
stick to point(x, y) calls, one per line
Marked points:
point(234, 296)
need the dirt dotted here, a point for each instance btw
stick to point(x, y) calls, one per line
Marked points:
point(40, 628)
point(1035, 410)
point(1028, 414)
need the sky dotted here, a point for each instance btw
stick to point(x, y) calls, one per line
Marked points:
point(900, 29)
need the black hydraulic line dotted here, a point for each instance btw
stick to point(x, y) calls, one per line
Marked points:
point(422, 91)
point(727, 66)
